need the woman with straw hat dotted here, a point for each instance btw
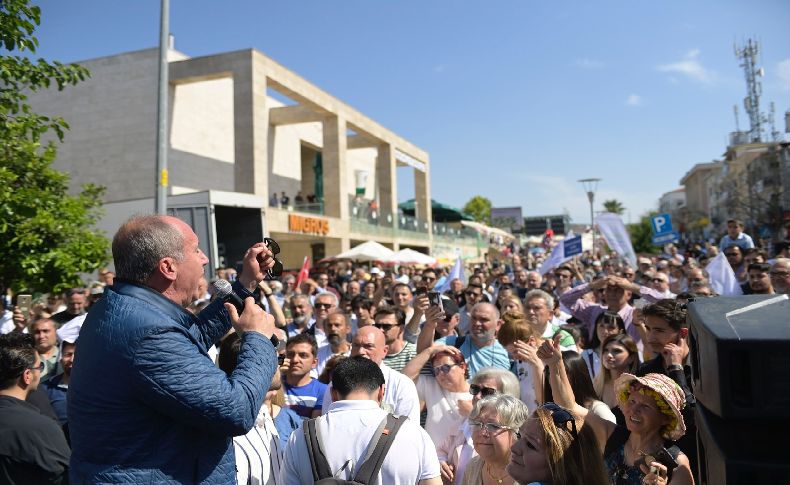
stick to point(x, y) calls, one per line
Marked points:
point(642, 451)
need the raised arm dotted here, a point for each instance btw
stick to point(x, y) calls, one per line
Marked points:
point(432, 316)
point(549, 352)
point(274, 307)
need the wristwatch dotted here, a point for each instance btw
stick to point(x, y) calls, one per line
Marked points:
point(674, 367)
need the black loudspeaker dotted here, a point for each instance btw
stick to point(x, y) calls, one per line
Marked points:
point(740, 356)
point(741, 452)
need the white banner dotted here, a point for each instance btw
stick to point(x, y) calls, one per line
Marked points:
point(722, 277)
point(613, 230)
point(556, 258)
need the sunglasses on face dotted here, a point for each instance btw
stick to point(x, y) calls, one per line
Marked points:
point(443, 369)
point(276, 270)
point(471, 293)
point(323, 306)
point(474, 390)
point(561, 417)
point(385, 327)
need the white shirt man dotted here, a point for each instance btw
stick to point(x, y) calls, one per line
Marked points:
point(346, 430)
point(400, 394)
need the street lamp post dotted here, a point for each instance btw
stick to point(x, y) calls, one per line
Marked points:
point(590, 186)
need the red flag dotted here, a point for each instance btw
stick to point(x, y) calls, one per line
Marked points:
point(304, 273)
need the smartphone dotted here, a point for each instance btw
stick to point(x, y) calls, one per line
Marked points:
point(24, 302)
point(421, 290)
point(435, 299)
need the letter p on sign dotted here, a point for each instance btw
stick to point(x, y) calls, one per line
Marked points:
point(662, 224)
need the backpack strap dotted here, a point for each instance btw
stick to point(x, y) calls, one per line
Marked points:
point(318, 463)
point(378, 448)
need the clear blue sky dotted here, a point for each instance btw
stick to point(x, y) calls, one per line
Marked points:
point(514, 100)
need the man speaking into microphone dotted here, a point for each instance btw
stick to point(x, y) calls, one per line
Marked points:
point(146, 404)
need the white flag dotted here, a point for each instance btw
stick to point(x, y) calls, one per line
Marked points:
point(613, 230)
point(556, 258)
point(722, 277)
point(456, 272)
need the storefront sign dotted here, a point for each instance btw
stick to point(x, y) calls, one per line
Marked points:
point(308, 225)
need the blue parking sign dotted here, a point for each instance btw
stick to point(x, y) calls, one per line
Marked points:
point(662, 224)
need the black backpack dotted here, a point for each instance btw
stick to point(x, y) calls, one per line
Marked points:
point(368, 470)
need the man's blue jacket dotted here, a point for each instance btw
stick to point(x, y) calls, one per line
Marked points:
point(147, 405)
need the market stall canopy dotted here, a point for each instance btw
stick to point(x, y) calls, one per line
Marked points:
point(367, 251)
point(440, 212)
point(410, 256)
point(488, 231)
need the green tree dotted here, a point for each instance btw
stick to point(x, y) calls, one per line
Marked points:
point(47, 236)
point(479, 208)
point(642, 235)
point(614, 206)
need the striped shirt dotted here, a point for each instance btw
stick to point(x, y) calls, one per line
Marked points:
point(398, 361)
point(259, 454)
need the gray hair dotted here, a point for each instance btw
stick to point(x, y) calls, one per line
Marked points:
point(485, 304)
point(537, 293)
point(141, 243)
point(508, 383)
point(330, 295)
point(511, 410)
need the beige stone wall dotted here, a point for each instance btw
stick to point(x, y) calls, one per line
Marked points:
point(202, 119)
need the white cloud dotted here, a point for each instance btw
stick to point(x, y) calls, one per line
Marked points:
point(634, 100)
point(783, 73)
point(690, 67)
point(586, 63)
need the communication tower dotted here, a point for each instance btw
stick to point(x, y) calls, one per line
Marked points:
point(747, 57)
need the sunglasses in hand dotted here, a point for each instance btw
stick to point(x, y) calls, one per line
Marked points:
point(276, 270)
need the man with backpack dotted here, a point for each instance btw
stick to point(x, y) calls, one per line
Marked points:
point(356, 442)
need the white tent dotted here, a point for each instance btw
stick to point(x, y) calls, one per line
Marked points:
point(410, 256)
point(367, 251)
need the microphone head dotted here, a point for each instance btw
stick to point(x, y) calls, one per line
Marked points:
point(222, 288)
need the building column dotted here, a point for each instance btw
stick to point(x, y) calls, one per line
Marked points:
point(334, 246)
point(387, 184)
point(336, 200)
point(422, 196)
point(250, 128)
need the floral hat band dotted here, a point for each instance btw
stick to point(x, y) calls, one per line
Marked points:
point(670, 402)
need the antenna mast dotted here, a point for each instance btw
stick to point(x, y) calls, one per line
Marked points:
point(747, 57)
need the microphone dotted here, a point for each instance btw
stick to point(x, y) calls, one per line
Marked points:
point(225, 292)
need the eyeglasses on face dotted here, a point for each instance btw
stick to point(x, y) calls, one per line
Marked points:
point(561, 417)
point(658, 280)
point(323, 306)
point(40, 366)
point(385, 327)
point(475, 389)
point(443, 369)
point(489, 428)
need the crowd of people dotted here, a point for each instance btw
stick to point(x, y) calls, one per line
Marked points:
point(577, 375)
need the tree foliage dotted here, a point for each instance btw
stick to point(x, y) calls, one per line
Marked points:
point(642, 235)
point(47, 236)
point(479, 208)
point(614, 206)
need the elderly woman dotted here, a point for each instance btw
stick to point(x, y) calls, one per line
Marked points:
point(553, 450)
point(495, 422)
point(458, 448)
point(444, 391)
point(641, 452)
